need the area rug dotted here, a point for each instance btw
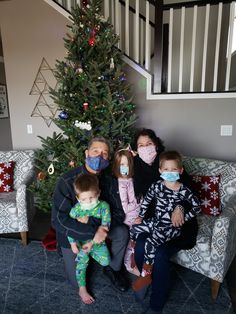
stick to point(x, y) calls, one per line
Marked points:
point(32, 280)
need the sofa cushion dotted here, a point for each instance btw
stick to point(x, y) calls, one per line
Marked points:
point(208, 188)
point(6, 176)
point(225, 169)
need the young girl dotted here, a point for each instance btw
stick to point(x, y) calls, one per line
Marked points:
point(123, 170)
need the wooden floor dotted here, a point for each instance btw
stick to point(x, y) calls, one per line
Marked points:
point(41, 224)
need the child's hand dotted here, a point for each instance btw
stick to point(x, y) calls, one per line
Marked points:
point(84, 219)
point(100, 235)
point(74, 248)
point(87, 247)
point(177, 217)
point(138, 220)
point(105, 228)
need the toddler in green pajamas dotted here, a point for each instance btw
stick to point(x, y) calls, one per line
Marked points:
point(87, 191)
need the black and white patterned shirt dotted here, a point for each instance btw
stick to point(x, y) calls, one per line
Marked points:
point(166, 200)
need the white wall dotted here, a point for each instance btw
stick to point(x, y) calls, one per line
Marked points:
point(31, 30)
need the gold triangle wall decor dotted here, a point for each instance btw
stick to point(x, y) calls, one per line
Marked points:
point(44, 80)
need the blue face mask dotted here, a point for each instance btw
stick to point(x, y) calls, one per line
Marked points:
point(170, 176)
point(124, 170)
point(97, 163)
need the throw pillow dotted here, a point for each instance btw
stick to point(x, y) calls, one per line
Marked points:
point(208, 188)
point(6, 176)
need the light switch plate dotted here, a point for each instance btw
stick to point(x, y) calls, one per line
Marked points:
point(29, 129)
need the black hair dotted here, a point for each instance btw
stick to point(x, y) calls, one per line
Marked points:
point(152, 135)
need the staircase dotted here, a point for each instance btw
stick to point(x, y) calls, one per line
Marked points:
point(185, 50)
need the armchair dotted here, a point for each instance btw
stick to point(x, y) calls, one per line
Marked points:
point(216, 240)
point(16, 208)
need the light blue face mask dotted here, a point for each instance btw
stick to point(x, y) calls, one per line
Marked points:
point(170, 176)
point(124, 170)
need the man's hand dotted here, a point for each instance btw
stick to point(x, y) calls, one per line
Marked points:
point(138, 220)
point(101, 234)
point(84, 219)
point(177, 217)
point(87, 247)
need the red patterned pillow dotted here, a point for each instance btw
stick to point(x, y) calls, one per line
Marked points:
point(6, 176)
point(208, 188)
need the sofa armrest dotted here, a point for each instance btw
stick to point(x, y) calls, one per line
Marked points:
point(26, 180)
point(22, 207)
point(223, 245)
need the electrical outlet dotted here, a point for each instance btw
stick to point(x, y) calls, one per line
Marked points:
point(226, 130)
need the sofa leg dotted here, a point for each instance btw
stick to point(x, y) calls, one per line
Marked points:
point(24, 237)
point(215, 285)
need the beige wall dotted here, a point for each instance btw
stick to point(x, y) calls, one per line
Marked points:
point(31, 30)
point(191, 126)
point(5, 129)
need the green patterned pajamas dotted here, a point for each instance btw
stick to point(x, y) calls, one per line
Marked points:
point(99, 252)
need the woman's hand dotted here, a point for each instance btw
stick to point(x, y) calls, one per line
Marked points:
point(177, 217)
point(100, 235)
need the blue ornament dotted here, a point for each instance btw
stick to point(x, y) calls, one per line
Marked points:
point(122, 78)
point(63, 115)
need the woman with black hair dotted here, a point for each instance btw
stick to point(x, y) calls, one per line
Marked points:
point(146, 171)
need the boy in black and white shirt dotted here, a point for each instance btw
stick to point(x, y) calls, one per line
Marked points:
point(167, 195)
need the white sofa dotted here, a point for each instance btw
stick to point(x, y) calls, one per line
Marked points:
point(216, 240)
point(16, 208)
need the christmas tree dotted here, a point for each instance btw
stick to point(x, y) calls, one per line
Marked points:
point(92, 95)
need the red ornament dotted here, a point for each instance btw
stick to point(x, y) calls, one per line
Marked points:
point(92, 41)
point(85, 106)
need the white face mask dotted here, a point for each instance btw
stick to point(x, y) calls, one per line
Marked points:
point(88, 206)
point(147, 153)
